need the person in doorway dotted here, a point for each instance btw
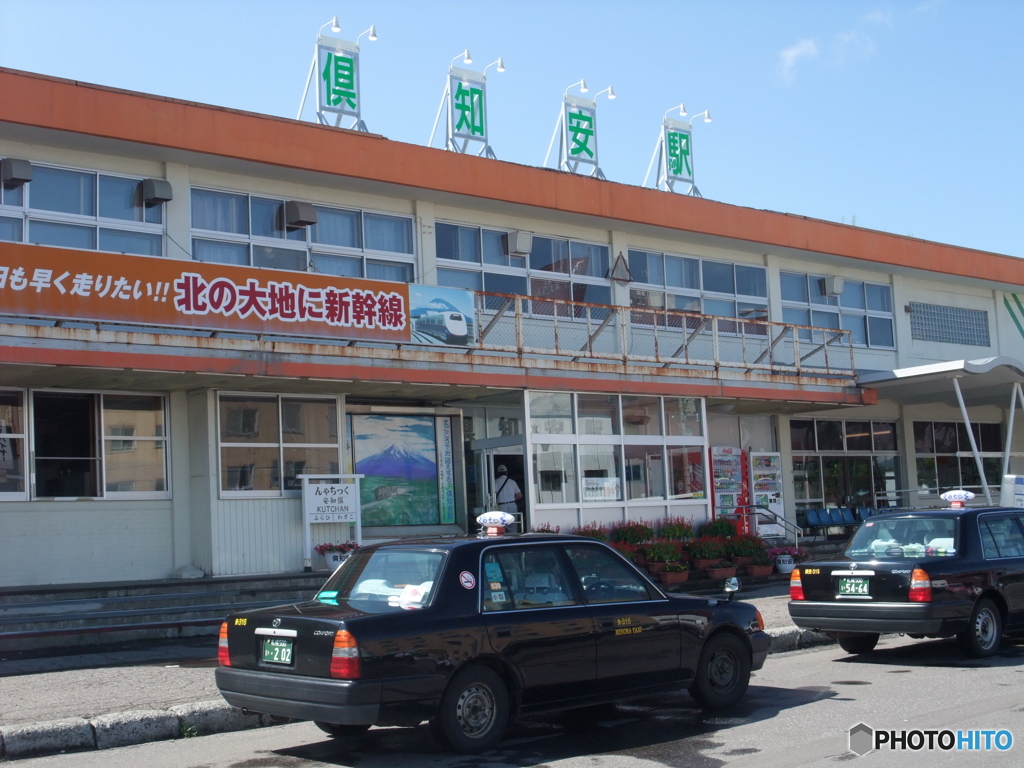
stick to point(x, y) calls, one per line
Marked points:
point(506, 491)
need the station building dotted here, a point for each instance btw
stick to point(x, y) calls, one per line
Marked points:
point(199, 305)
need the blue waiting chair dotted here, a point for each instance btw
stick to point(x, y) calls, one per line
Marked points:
point(848, 518)
point(816, 521)
point(863, 513)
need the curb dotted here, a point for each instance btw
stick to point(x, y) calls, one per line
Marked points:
point(124, 728)
point(208, 717)
point(794, 638)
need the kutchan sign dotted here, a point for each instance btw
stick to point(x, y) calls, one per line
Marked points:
point(142, 290)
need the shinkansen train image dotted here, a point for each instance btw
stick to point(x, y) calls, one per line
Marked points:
point(449, 327)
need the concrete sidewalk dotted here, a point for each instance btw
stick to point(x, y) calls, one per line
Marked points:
point(165, 690)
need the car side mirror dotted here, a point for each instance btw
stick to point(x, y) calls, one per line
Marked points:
point(731, 586)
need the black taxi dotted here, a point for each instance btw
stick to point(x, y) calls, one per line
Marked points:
point(468, 633)
point(927, 573)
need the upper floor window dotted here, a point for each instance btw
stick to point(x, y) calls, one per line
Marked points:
point(248, 230)
point(479, 259)
point(82, 209)
point(863, 309)
point(948, 325)
point(698, 285)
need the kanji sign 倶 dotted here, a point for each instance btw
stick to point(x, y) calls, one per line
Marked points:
point(338, 84)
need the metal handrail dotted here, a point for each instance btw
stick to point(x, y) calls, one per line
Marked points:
point(758, 509)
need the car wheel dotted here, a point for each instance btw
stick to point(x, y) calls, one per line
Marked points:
point(342, 731)
point(985, 631)
point(858, 643)
point(723, 672)
point(474, 710)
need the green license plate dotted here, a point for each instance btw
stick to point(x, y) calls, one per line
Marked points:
point(853, 585)
point(277, 650)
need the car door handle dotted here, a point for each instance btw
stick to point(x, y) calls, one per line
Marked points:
point(503, 632)
point(607, 623)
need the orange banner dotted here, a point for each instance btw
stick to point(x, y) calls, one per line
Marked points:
point(58, 283)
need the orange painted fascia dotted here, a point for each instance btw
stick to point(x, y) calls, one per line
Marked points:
point(117, 361)
point(65, 105)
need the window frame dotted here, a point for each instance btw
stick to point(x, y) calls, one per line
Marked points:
point(27, 214)
point(281, 444)
point(306, 245)
point(832, 305)
point(101, 440)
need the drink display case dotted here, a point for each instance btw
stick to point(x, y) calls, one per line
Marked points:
point(729, 478)
point(766, 491)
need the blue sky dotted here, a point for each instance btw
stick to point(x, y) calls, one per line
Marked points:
point(897, 116)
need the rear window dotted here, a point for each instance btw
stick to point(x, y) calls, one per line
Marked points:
point(901, 538)
point(385, 580)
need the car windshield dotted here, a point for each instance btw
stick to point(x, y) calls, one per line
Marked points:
point(899, 538)
point(385, 580)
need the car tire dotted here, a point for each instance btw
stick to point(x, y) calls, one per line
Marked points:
point(858, 643)
point(342, 731)
point(985, 631)
point(723, 672)
point(474, 710)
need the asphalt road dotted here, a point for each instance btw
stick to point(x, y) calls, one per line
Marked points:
point(798, 712)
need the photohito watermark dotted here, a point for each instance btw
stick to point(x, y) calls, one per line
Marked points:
point(864, 739)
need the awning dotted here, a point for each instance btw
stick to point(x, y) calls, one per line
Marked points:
point(983, 382)
point(991, 381)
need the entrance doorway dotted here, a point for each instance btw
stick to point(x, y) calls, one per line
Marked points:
point(487, 462)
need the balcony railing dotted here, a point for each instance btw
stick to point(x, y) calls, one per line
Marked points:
point(658, 337)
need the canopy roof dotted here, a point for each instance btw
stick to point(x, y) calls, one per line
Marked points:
point(983, 382)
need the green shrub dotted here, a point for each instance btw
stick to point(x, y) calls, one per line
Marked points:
point(592, 531)
point(631, 533)
point(720, 527)
point(675, 529)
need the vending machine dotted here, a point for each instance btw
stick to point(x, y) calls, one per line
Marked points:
point(729, 479)
point(766, 491)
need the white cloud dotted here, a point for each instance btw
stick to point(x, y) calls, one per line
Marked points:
point(790, 57)
point(854, 43)
point(881, 18)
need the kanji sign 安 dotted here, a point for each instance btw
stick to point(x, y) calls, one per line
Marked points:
point(143, 290)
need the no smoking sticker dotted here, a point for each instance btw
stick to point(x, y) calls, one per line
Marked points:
point(467, 579)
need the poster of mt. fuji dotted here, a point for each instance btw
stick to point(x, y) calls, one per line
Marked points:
point(398, 456)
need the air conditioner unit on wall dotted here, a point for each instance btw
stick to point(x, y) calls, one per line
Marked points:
point(518, 243)
point(832, 286)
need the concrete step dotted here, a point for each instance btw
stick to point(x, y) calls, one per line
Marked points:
point(91, 614)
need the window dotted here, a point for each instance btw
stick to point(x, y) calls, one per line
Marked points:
point(82, 209)
point(605, 578)
point(266, 441)
point(702, 286)
point(12, 444)
point(600, 449)
point(844, 463)
point(475, 258)
point(1001, 536)
point(945, 459)
point(80, 448)
point(863, 309)
point(520, 578)
point(249, 230)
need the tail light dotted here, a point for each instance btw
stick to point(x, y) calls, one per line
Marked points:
point(760, 620)
point(223, 655)
point(920, 586)
point(345, 656)
point(796, 586)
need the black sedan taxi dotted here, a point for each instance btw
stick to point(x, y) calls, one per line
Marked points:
point(469, 633)
point(929, 573)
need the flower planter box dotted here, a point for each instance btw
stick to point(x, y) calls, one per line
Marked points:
point(759, 570)
point(741, 560)
point(655, 567)
point(721, 573)
point(673, 577)
point(703, 565)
